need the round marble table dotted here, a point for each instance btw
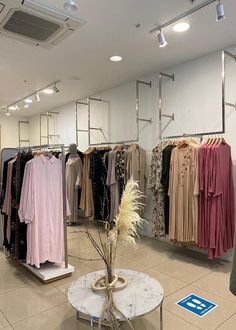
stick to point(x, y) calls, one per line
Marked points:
point(142, 295)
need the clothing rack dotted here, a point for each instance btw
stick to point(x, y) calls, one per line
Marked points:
point(138, 118)
point(225, 104)
point(48, 273)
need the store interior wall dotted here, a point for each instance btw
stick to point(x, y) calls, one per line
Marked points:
point(10, 132)
point(194, 98)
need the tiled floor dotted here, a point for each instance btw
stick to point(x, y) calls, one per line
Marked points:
point(26, 304)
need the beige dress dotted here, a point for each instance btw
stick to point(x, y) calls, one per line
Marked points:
point(86, 199)
point(135, 163)
point(74, 172)
point(183, 192)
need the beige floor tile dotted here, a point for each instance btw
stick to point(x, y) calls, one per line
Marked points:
point(170, 284)
point(80, 270)
point(62, 317)
point(22, 303)
point(216, 283)
point(187, 270)
point(3, 321)
point(152, 322)
point(148, 257)
point(230, 324)
point(12, 276)
point(210, 321)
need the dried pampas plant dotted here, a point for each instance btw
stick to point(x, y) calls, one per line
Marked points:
point(123, 229)
point(128, 219)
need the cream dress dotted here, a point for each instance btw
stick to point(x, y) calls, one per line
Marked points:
point(74, 172)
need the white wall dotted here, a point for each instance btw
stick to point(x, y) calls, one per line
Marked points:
point(194, 98)
point(10, 132)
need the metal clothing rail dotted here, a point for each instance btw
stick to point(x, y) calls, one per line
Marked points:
point(138, 118)
point(48, 136)
point(68, 269)
point(225, 104)
point(20, 123)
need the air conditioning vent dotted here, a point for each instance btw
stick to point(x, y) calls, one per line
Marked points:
point(31, 26)
point(34, 21)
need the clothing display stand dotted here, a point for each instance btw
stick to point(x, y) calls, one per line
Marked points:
point(48, 272)
point(138, 119)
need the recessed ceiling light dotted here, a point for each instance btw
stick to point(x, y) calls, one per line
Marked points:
point(181, 27)
point(115, 58)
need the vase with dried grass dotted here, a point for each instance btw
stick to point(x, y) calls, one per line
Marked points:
point(124, 229)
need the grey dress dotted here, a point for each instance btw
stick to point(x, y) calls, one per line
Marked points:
point(74, 170)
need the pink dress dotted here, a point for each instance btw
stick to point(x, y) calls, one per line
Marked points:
point(41, 207)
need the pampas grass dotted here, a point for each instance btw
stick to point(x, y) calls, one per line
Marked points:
point(128, 219)
point(123, 229)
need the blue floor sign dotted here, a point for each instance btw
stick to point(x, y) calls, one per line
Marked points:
point(196, 305)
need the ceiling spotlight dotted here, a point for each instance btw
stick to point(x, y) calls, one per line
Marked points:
point(181, 27)
point(115, 58)
point(28, 101)
point(13, 107)
point(7, 113)
point(37, 98)
point(55, 89)
point(220, 12)
point(161, 39)
point(71, 5)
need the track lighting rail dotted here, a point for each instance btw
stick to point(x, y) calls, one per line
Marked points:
point(187, 13)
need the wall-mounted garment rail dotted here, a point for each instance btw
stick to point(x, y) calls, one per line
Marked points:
point(49, 135)
point(161, 115)
point(138, 119)
point(22, 123)
point(224, 103)
point(49, 272)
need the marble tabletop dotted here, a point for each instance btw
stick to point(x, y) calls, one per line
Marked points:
point(142, 295)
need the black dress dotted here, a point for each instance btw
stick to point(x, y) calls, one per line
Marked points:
point(101, 192)
point(166, 156)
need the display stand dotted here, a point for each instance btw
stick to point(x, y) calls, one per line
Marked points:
point(48, 272)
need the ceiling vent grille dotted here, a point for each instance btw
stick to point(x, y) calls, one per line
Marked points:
point(31, 26)
point(35, 22)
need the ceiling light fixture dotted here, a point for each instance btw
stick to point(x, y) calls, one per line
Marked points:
point(71, 5)
point(55, 89)
point(220, 12)
point(161, 39)
point(13, 107)
point(28, 100)
point(34, 97)
point(181, 27)
point(48, 91)
point(37, 98)
point(26, 105)
point(116, 58)
point(7, 113)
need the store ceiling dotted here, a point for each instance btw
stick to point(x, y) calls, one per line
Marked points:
point(110, 29)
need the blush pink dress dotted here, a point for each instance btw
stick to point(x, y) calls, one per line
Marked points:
point(41, 207)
